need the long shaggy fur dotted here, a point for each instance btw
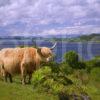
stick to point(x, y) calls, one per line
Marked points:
point(22, 60)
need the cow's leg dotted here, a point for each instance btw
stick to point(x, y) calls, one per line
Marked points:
point(23, 74)
point(30, 77)
point(5, 76)
point(23, 77)
point(10, 78)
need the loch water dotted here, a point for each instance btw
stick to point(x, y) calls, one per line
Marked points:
point(86, 50)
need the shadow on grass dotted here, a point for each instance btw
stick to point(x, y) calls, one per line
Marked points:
point(63, 96)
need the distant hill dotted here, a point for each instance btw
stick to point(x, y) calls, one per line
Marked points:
point(90, 37)
point(70, 38)
point(79, 38)
point(63, 36)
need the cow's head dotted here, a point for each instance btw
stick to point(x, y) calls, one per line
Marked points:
point(46, 53)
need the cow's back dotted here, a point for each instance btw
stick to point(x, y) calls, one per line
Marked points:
point(11, 58)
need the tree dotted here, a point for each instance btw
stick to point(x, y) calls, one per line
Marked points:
point(72, 59)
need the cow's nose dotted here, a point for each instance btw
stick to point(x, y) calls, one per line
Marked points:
point(51, 59)
point(48, 60)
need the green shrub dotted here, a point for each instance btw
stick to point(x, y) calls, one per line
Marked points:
point(93, 63)
point(46, 78)
point(55, 86)
point(95, 74)
point(81, 65)
point(65, 69)
point(40, 75)
point(53, 65)
point(72, 59)
point(58, 83)
point(65, 79)
point(82, 75)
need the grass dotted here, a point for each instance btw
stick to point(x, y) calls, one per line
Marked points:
point(96, 94)
point(16, 91)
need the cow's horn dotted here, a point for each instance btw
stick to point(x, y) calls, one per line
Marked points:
point(53, 46)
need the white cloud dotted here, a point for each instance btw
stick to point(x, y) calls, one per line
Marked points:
point(72, 30)
point(48, 13)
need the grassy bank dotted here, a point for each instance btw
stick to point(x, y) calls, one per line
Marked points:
point(16, 91)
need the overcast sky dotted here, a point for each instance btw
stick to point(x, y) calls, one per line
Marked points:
point(43, 17)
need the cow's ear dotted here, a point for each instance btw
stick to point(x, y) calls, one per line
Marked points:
point(39, 50)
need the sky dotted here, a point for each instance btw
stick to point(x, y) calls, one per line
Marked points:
point(49, 17)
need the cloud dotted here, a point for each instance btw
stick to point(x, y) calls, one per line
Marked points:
point(72, 30)
point(47, 16)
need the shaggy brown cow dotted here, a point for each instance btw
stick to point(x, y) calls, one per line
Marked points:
point(23, 60)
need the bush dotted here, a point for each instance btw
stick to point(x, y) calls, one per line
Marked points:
point(67, 79)
point(81, 65)
point(53, 65)
point(95, 74)
point(57, 83)
point(40, 75)
point(82, 75)
point(93, 63)
point(65, 69)
point(72, 59)
point(48, 79)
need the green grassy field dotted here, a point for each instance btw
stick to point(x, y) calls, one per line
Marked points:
point(16, 91)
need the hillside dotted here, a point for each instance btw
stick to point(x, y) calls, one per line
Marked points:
point(69, 38)
point(91, 37)
point(82, 38)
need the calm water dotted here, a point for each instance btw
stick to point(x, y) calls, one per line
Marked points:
point(85, 50)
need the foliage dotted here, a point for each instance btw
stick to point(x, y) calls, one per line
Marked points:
point(81, 65)
point(69, 78)
point(72, 59)
point(95, 74)
point(40, 75)
point(65, 68)
point(82, 75)
point(58, 83)
point(93, 63)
